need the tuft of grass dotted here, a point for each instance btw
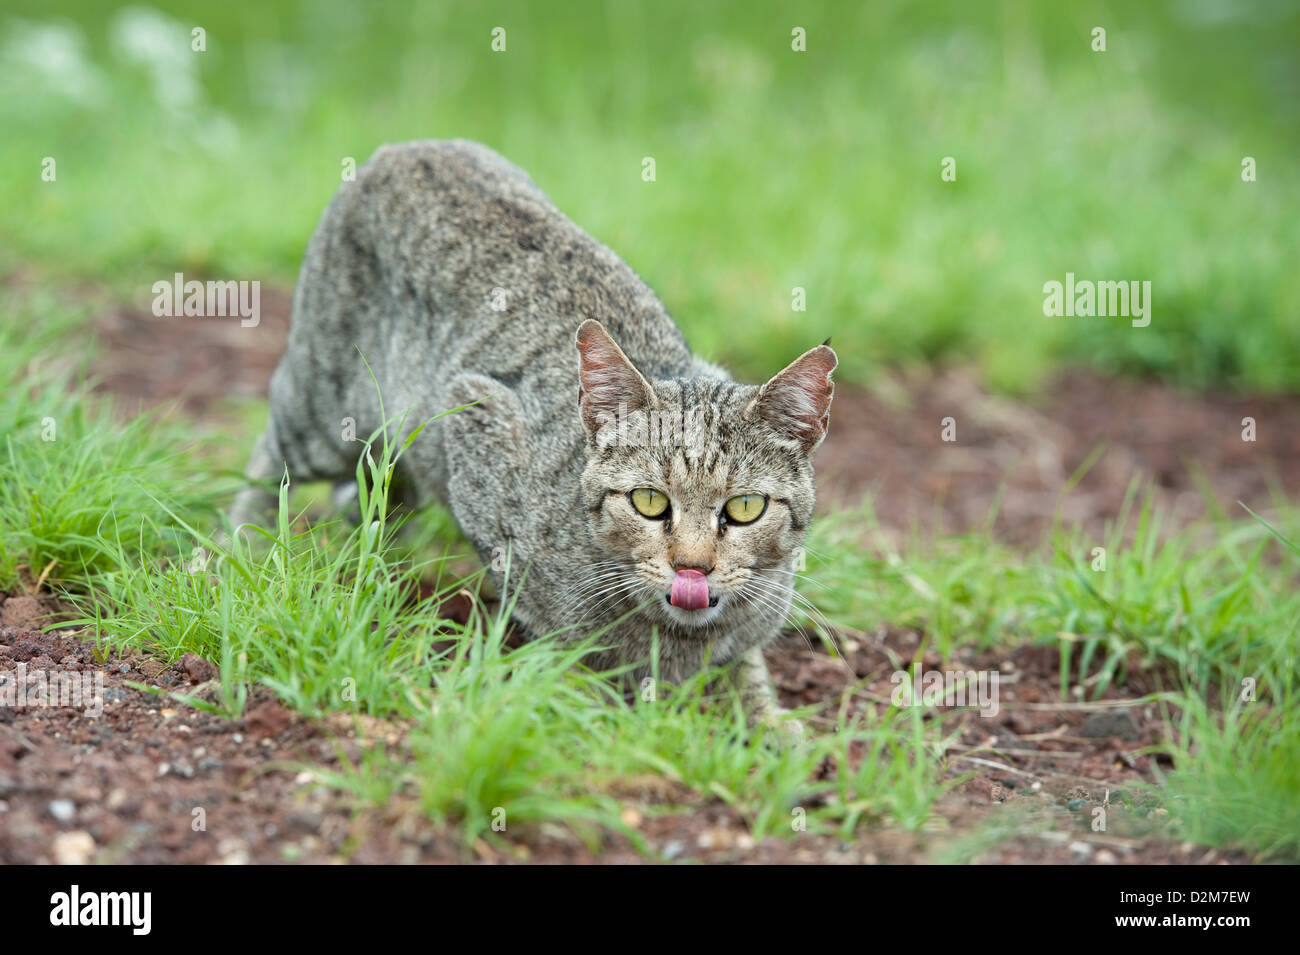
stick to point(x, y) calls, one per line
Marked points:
point(1235, 782)
point(70, 475)
point(1200, 606)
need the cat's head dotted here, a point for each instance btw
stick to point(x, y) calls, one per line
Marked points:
point(698, 490)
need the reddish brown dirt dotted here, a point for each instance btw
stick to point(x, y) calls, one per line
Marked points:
point(1019, 457)
point(886, 440)
point(154, 780)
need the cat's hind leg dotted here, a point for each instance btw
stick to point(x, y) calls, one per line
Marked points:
point(303, 450)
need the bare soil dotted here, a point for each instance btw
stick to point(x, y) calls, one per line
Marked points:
point(1009, 459)
point(154, 780)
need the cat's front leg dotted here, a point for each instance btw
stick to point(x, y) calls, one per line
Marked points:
point(754, 684)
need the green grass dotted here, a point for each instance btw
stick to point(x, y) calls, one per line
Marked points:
point(71, 477)
point(1206, 612)
point(775, 169)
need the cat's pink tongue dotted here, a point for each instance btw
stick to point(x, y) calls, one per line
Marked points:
point(690, 590)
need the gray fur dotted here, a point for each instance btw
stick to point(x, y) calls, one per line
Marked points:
point(402, 269)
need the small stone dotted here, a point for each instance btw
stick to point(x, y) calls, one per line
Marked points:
point(1080, 849)
point(151, 668)
point(197, 669)
point(1108, 724)
point(672, 849)
point(63, 809)
point(232, 851)
point(303, 821)
point(73, 848)
point(631, 818)
point(1076, 805)
point(1106, 857)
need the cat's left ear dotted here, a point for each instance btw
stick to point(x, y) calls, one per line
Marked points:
point(796, 402)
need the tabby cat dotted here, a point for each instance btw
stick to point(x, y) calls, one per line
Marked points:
point(626, 479)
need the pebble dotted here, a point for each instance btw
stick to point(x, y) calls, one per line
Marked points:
point(73, 848)
point(1106, 857)
point(63, 809)
point(630, 817)
point(1076, 805)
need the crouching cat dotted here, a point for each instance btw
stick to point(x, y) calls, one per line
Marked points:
point(625, 477)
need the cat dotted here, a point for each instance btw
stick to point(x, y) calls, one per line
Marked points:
point(624, 477)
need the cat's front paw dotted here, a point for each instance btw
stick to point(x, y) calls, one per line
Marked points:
point(786, 729)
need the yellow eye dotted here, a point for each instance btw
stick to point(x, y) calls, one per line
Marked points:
point(649, 502)
point(746, 508)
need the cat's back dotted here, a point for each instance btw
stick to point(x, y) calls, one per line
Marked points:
point(448, 248)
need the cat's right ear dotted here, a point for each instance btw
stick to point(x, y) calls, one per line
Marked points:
point(796, 402)
point(609, 386)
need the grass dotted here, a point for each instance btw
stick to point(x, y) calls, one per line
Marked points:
point(69, 477)
point(1204, 612)
point(775, 169)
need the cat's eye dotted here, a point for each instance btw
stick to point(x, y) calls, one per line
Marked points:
point(649, 502)
point(746, 508)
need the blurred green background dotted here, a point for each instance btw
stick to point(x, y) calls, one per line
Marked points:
point(775, 168)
